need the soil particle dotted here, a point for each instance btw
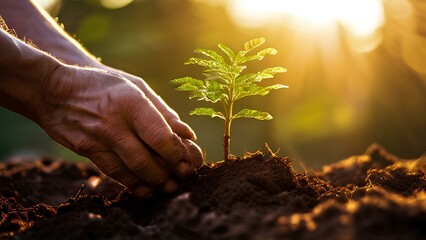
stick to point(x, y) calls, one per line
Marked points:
point(371, 196)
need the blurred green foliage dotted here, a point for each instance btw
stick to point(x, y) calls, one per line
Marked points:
point(336, 105)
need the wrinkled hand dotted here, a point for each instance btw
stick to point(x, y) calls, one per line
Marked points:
point(121, 125)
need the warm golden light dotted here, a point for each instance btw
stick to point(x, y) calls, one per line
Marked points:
point(93, 182)
point(414, 53)
point(114, 4)
point(47, 4)
point(359, 17)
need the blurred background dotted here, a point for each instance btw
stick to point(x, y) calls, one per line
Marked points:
point(356, 70)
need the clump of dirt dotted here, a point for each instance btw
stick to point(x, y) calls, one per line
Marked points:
point(374, 195)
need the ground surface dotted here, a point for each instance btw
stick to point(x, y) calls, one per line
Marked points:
point(371, 196)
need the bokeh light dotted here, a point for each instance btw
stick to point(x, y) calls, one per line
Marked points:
point(93, 28)
point(114, 4)
point(356, 69)
point(414, 53)
point(47, 4)
point(359, 17)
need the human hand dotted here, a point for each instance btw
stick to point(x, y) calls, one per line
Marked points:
point(122, 126)
point(172, 118)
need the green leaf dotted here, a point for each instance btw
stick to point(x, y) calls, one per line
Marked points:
point(224, 70)
point(274, 70)
point(254, 43)
point(187, 87)
point(212, 86)
point(210, 53)
point(207, 112)
point(223, 81)
point(259, 76)
point(215, 76)
point(227, 51)
point(261, 54)
point(248, 78)
point(188, 80)
point(214, 91)
point(258, 56)
point(257, 90)
point(205, 63)
point(250, 113)
point(199, 95)
point(215, 96)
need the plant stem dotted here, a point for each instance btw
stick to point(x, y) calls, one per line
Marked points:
point(227, 133)
point(227, 139)
point(228, 116)
point(226, 146)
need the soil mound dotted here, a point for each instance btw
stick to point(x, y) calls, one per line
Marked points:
point(371, 196)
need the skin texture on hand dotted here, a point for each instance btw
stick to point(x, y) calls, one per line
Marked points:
point(112, 117)
point(108, 119)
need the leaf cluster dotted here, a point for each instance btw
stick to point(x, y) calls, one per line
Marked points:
point(225, 83)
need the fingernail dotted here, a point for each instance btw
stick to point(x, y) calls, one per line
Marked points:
point(184, 167)
point(170, 186)
point(194, 136)
point(143, 192)
point(194, 153)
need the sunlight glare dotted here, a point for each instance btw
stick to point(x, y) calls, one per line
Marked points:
point(252, 13)
point(362, 17)
point(414, 52)
point(318, 13)
point(211, 2)
point(399, 9)
point(114, 4)
point(365, 43)
point(47, 4)
point(359, 17)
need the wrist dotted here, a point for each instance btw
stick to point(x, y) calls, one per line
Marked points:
point(70, 52)
point(37, 73)
point(23, 70)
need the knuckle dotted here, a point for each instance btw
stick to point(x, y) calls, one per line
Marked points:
point(84, 147)
point(121, 140)
point(116, 173)
point(108, 164)
point(100, 129)
point(174, 121)
point(110, 133)
point(158, 181)
point(140, 164)
point(113, 172)
point(171, 115)
point(157, 136)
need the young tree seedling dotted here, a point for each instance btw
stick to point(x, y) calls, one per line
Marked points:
point(224, 83)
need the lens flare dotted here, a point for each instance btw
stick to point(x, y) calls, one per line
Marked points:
point(48, 4)
point(359, 17)
point(114, 4)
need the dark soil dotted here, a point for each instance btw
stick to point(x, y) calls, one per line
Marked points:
point(371, 196)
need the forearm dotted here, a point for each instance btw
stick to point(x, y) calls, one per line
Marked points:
point(31, 22)
point(23, 72)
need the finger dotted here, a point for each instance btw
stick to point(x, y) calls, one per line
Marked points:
point(180, 128)
point(111, 165)
point(195, 152)
point(153, 129)
point(143, 163)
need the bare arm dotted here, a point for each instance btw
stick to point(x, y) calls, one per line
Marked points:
point(22, 71)
point(107, 115)
point(32, 22)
